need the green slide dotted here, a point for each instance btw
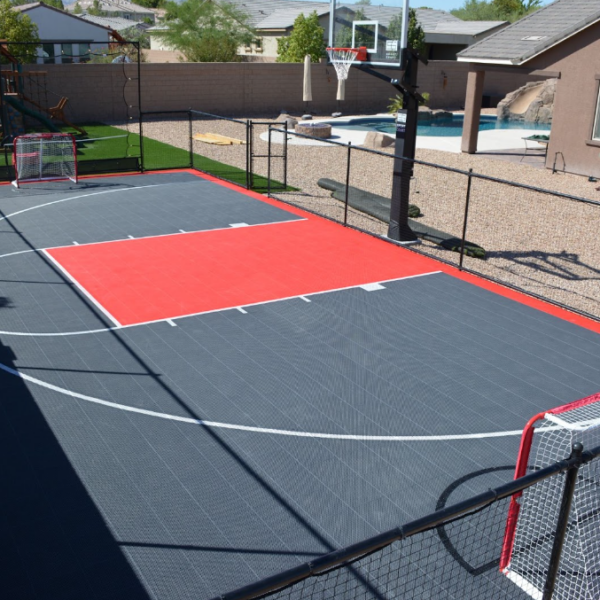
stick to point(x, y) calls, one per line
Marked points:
point(31, 113)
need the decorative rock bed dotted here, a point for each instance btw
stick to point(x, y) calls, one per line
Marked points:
point(316, 130)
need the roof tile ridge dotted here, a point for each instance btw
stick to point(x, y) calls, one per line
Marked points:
point(502, 31)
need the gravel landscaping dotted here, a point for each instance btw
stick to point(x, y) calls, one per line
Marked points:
point(539, 242)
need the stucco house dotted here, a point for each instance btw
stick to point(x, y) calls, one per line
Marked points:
point(561, 40)
point(65, 38)
point(445, 35)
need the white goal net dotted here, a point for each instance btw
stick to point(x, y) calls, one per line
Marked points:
point(44, 156)
point(532, 520)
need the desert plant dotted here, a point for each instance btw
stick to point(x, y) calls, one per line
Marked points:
point(397, 102)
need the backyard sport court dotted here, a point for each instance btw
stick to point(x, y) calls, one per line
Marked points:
point(202, 387)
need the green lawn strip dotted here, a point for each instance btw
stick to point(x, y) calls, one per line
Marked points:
point(157, 155)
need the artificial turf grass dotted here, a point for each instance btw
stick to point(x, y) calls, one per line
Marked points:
point(157, 155)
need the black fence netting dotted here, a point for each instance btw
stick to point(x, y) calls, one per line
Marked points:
point(166, 140)
point(308, 188)
point(220, 147)
point(541, 242)
point(465, 550)
point(455, 560)
point(37, 95)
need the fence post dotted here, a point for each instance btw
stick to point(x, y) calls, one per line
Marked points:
point(269, 165)
point(285, 154)
point(249, 135)
point(465, 219)
point(191, 138)
point(347, 183)
point(139, 75)
point(141, 142)
point(563, 521)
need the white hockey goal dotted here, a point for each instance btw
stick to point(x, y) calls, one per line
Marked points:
point(44, 157)
point(547, 438)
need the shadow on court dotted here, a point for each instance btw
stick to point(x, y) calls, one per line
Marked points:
point(55, 542)
point(59, 542)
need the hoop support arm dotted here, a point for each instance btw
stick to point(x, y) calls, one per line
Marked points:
point(397, 83)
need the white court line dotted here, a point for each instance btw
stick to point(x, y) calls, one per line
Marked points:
point(372, 287)
point(244, 312)
point(285, 432)
point(162, 235)
point(204, 312)
point(525, 585)
point(19, 252)
point(82, 289)
point(142, 187)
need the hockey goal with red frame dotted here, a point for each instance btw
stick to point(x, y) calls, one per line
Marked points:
point(44, 157)
point(548, 437)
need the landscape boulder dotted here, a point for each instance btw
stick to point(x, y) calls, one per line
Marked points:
point(377, 140)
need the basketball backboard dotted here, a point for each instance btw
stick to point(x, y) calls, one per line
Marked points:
point(378, 28)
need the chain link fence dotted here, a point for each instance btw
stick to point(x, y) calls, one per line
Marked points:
point(535, 240)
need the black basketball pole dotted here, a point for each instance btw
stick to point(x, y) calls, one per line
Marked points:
point(406, 138)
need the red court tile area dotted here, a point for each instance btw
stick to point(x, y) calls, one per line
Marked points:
point(150, 279)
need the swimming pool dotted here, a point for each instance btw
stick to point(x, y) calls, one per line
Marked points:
point(451, 127)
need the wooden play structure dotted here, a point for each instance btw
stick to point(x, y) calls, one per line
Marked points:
point(25, 93)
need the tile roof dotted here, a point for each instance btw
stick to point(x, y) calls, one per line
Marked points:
point(260, 10)
point(114, 23)
point(284, 18)
point(24, 7)
point(32, 5)
point(281, 14)
point(535, 33)
point(467, 27)
point(112, 6)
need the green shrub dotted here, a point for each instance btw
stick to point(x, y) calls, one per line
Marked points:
point(397, 103)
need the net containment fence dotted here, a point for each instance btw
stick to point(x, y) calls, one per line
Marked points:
point(535, 537)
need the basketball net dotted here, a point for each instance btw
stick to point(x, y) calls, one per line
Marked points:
point(342, 59)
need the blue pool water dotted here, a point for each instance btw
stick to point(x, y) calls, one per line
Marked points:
point(443, 127)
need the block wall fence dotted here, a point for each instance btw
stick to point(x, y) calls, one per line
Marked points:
point(96, 92)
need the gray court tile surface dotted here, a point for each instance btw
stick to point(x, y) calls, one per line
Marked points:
point(105, 502)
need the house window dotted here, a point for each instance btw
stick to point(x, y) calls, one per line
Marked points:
point(596, 132)
point(48, 53)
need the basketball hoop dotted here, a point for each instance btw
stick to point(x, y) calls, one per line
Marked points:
point(342, 59)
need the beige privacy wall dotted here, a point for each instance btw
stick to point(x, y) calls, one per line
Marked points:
point(97, 92)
